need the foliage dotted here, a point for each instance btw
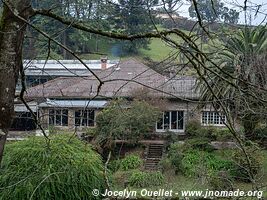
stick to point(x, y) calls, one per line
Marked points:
point(260, 133)
point(241, 167)
point(192, 160)
point(195, 162)
point(52, 129)
point(192, 127)
point(244, 57)
point(67, 169)
point(222, 134)
point(125, 121)
point(221, 181)
point(215, 11)
point(166, 164)
point(145, 179)
point(131, 162)
point(200, 143)
point(131, 17)
point(176, 153)
point(114, 165)
point(91, 12)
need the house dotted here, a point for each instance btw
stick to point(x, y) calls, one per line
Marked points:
point(69, 102)
point(40, 71)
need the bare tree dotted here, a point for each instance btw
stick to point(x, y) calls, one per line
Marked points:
point(11, 40)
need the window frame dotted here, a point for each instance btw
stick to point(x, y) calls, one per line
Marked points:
point(170, 122)
point(87, 118)
point(55, 114)
point(216, 116)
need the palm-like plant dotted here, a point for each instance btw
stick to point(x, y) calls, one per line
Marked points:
point(239, 77)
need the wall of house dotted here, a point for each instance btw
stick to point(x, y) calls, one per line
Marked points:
point(44, 118)
point(190, 109)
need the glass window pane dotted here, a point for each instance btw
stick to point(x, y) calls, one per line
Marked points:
point(64, 117)
point(166, 120)
point(77, 117)
point(160, 123)
point(204, 117)
point(91, 117)
point(58, 117)
point(51, 117)
point(174, 121)
point(210, 117)
point(180, 120)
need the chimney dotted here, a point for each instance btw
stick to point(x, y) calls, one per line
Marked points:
point(104, 61)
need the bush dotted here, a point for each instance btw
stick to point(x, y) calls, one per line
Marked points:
point(176, 153)
point(223, 135)
point(194, 129)
point(221, 181)
point(131, 162)
point(166, 164)
point(195, 162)
point(260, 133)
point(145, 179)
point(114, 165)
point(200, 143)
point(241, 167)
point(67, 169)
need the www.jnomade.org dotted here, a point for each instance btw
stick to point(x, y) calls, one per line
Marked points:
point(170, 193)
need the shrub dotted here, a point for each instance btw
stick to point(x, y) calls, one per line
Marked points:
point(260, 133)
point(68, 169)
point(241, 167)
point(192, 127)
point(166, 164)
point(176, 153)
point(195, 162)
point(223, 135)
point(114, 165)
point(221, 181)
point(200, 143)
point(145, 179)
point(131, 162)
point(117, 122)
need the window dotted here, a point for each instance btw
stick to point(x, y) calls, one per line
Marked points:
point(212, 118)
point(36, 80)
point(85, 118)
point(171, 120)
point(58, 117)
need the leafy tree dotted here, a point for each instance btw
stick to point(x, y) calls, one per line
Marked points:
point(125, 121)
point(131, 17)
point(213, 11)
point(243, 58)
point(66, 169)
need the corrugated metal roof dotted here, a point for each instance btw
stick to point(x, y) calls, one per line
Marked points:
point(63, 64)
point(74, 103)
point(22, 108)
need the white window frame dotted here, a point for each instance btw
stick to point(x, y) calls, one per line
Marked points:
point(55, 117)
point(169, 129)
point(212, 115)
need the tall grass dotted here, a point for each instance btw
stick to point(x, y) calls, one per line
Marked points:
point(68, 169)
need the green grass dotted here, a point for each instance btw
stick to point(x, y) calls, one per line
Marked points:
point(179, 182)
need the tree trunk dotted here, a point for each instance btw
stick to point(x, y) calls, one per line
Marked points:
point(11, 41)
